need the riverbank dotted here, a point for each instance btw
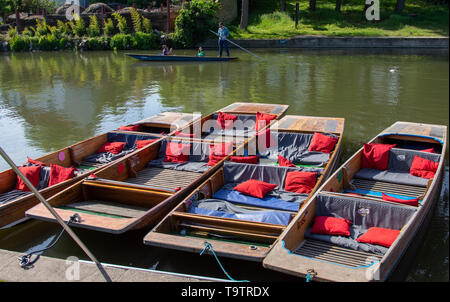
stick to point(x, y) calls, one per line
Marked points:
point(419, 18)
point(338, 42)
point(295, 42)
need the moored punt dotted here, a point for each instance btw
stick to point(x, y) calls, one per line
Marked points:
point(137, 191)
point(239, 225)
point(384, 200)
point(85, 157)
point(173, 58)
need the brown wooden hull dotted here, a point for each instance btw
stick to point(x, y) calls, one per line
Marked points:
point(342, 265)
point(14, 210)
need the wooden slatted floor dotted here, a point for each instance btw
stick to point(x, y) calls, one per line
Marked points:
point(332, 253)
point(109, 208)
point(164, 178)
point(388, 188)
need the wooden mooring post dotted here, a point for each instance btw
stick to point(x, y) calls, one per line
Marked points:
point(297, 8)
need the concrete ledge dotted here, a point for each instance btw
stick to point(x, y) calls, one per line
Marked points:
point(339, 42)
point(48, 269)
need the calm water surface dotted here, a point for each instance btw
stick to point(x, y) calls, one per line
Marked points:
point(51, 100)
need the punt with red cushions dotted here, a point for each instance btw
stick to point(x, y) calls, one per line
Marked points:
point(361, 222)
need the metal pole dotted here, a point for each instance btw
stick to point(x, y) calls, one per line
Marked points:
point(296, 14)
point(238, 46)
point(54, 213)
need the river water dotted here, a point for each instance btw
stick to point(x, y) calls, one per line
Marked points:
point(51, 100)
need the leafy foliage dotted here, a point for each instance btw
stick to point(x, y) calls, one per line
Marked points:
point(145, 41)
point(194, 21)
point(136, 19)
point(121, 42)
point(121, 23)
point(108, 27)
point(147, 25)
point(94, 28)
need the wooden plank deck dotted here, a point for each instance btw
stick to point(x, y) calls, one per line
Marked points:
point(164, 178)
point(333, 253)
point(110, 208)
point(388, 188)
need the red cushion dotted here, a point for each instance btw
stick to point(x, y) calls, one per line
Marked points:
point(262, 136)
point(177, 152)
point(225, 120)
point(284, 162)
point(322, 143)
point(376, 156)
point(59, 174)
point(181, 134)
point(424, 168)
point(35, 162)
point(32, 173)
point(300, 182)
point(255, 188)
point(379, 236)
point(252, 159)
point(411, 202)
point(429, 150)
point(145, 142)
point(214, 159)
point(263, 119)
point(129, 128)
point(217, 152)
point(112, 147)
point(331, 226)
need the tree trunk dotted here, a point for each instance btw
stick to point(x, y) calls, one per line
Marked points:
point(399, 6)
point(244, 15)
point(282, 5)
point(312, 5)
point(338, 5)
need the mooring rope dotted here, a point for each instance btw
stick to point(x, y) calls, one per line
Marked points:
point(25, 261)
point(209, 246)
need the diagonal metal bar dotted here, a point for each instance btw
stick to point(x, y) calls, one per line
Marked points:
point(55, 214)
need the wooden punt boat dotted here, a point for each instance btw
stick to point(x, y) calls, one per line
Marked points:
point(241, 233)
point(161, 58)
point(242, 129)
point(355, 192)
point(133, 193)
point(82, 155)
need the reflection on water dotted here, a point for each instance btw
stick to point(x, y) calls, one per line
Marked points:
point(51, 100)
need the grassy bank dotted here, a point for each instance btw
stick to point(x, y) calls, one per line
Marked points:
point(419, 18)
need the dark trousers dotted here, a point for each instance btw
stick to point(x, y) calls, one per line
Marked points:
point(223, 44)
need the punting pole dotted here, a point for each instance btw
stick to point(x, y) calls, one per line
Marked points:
point(238, 46)
point(53, 212)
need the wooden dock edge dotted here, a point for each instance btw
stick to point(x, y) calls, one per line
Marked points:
point(48, 269)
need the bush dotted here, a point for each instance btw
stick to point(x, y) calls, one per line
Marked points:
point(94, 28)
point(147, 25)
point(78, 28)
point(97, 43)
point(121, 41)
point(66, 43)
point(19, 43)
point(194, 21)
point(48, 42)
point(108, 27)
point(145, 41)
point(121, 23)
point(136, 20)
point(41, 28)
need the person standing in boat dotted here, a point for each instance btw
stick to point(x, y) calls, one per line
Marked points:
point(223, 34)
